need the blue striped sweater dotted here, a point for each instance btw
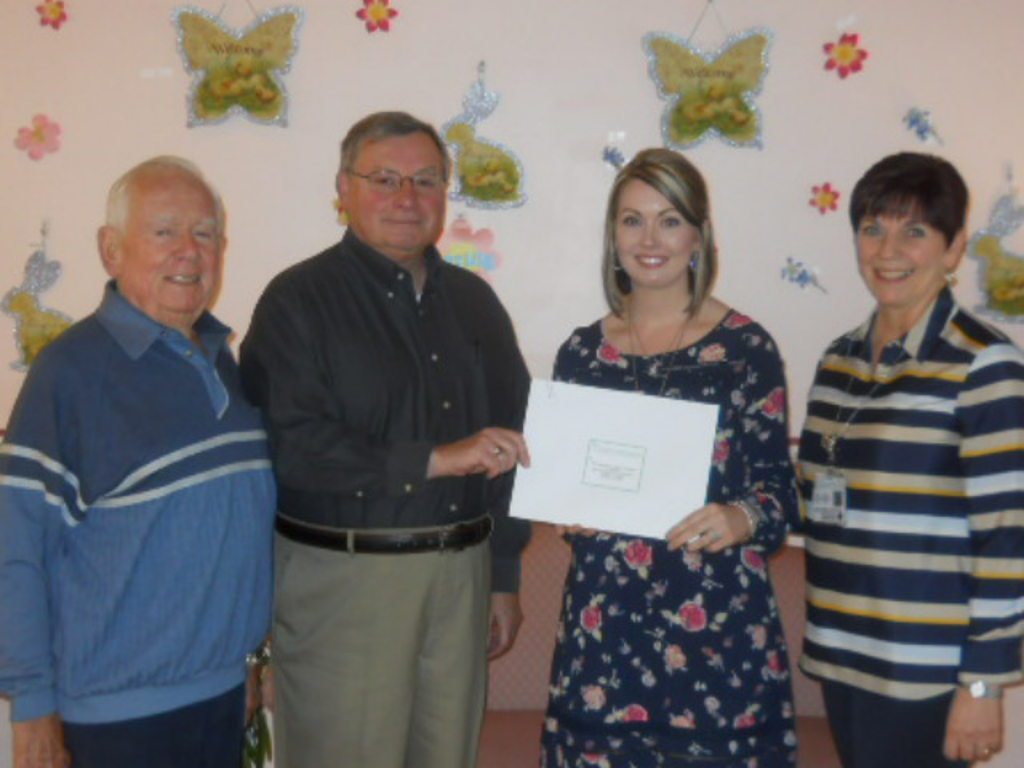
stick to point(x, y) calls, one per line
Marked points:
point(922, 587)
point(136, 508)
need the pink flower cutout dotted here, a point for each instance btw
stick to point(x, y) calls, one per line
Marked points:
point(824, 198)
point(844, 56)
point(41, 138)
point(377, 14)
point(52, 13)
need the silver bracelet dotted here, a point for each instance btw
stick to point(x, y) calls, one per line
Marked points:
point(753, 518)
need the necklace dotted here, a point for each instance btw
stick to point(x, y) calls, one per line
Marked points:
point(638, 350)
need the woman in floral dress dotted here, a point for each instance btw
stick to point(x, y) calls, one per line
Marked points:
point(670, 652)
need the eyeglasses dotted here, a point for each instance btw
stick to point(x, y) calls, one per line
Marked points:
point(390, 182)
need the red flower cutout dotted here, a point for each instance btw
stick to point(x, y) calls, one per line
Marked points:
point(844, 56)
point(51, 13)
point(824, 198)
point(377, 14)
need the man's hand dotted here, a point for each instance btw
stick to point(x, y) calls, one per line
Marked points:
point(491, 451)
point(506, 616)
point(974, 728)
point(39, 743)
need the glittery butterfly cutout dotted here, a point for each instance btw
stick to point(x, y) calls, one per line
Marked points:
point(237, 72)
point(709, 95)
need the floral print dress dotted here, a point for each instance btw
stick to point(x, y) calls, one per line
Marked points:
point(676, 658)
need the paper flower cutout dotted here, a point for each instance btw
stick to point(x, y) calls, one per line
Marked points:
point(35, 327)
point(614, 157)
point(800, 274)
point(487, 174)
point(470, 249)
point(709, 95)
point(43, 137)
point(237, 72)
point(1001, 270)
point(377, 14)
point(52, 13)
point(919, 121)
point(825, 198)
point(844, 56)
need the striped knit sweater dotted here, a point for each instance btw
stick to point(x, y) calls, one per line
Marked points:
point(136, 509)
point(921, 588)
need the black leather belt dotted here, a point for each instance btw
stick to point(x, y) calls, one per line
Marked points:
point(458, 536)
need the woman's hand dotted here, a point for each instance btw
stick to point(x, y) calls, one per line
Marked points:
point(711, 528)
point(974, 728)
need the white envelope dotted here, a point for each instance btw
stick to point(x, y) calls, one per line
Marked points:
point(612, 460)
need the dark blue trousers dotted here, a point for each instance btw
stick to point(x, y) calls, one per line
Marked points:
point(207, 734)
point(873, 731)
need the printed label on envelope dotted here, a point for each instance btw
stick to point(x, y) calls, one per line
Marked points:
point(614, 465)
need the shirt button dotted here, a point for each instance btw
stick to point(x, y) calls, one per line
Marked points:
point(453, 507)
point(359, 494)
point(401, 275)
point(408, 487)
point(433, 357)
point(391, 294)
point(446, 405)
point(188, 353)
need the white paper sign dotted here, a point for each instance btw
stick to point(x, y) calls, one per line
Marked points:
point(612, 460)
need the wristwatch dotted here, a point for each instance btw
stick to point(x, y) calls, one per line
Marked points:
point(979, 689)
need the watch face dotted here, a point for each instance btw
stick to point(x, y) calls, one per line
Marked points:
point(982, 690)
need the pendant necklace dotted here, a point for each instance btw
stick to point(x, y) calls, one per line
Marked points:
point(666, 367)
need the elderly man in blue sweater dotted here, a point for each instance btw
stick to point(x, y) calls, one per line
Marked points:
point(136, 503)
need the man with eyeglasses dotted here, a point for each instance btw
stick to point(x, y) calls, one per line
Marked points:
point(395, 392)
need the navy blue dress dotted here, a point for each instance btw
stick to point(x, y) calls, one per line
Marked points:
point(676, 658)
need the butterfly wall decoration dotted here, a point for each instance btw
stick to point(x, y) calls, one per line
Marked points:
point(709, 95)
point(237, 72)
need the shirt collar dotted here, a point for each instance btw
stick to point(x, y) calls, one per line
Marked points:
point(387, 271)
point(136, 332)
point(919, 340)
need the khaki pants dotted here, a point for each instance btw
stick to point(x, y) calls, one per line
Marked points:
point(379, 660)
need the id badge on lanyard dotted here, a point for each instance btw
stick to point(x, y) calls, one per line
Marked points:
point(828, 500)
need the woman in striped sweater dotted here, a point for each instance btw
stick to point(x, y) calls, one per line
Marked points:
point(911, 461)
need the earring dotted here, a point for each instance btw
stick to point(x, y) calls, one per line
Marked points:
point(694, 261)
point(950, 279)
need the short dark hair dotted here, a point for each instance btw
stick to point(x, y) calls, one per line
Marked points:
point(678, 181)
point(912, 183)
point(385, 125)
